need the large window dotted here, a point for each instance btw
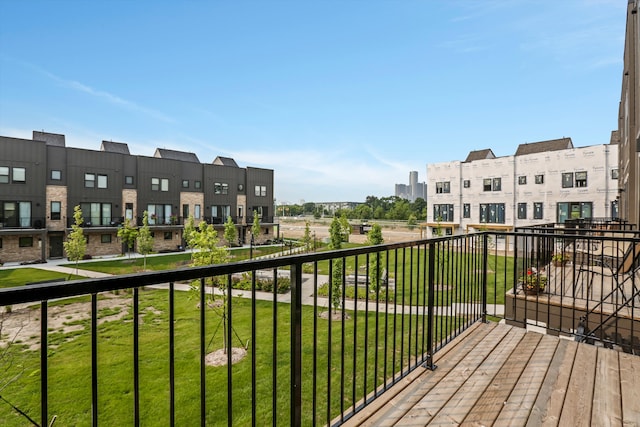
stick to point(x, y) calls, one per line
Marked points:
point(159, 184)
point(96, 214)
point(443, 187)
point(492, 213)
point(196, 212)
point(159, 214)
point(102, 181)
point(573, 210)
point(522, 211)
point(220, 212)
point(261, 190)
point(56, 208)
point(15, 214)
point(538, 210)
point(443, 212)
point(492, 184)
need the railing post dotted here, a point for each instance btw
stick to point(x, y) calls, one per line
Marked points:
point(430, 303)
point(296, 344)
point(485, 267)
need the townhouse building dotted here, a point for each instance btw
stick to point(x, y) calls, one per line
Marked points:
point(543, 182)
point(42, 180)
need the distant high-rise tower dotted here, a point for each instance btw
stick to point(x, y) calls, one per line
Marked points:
point(412, 191)
point(413, 184)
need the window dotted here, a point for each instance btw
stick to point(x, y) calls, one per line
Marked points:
point(128, 180)
point(573, 210)
point(567, 180)
point(185, 183)
point(105, 238)
point(0, 242)
point(159, 214)
point(15, 214)
point(89, 180)
point(443, 212)
point(155, 184)
point(581, 179)
point(614, 173)
point(539, 179)
point(261, 190)
point(492, 184)
point(522, 180)
point(164, 184)
point(466, 210)
point(196, 212)
point(168, 235)
point(443, 187)
point(4, 175)
point(55, 210)
point(56, 175)
point(96, 214)
point(222, 188)
point(220, 212)
point(197, 185)
point(538, 210)
point(185, 211)
point(522, 211)
point(19, 175)
point(25, 242)
point(492, 213)
point(128, 211)
point(102, 181)
point(466, 183)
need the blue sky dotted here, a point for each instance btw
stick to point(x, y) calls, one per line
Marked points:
point(341, 98)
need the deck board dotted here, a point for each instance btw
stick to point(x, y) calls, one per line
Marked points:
point(503, 376)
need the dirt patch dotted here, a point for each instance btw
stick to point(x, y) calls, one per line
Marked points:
point(22, 325)
point(335, 316)
point(220, 357)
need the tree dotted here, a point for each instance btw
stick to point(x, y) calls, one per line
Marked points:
point(145, 240)
point(255, 228)
point(207, 251)
point(374, 237)
point(306, 239)
point(76, 245)
point(412, 221)
point(345, 228)
point(230, 232)
point(335, 243)
point(128, 233)
point(188, 230)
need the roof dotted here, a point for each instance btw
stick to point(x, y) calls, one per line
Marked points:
point(164, 153)
point(49, 138)
point(487, 153)
point(114, 147)
point(225, 161)
point(544, 146)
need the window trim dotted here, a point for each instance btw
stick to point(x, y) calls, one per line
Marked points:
point(15, 178)
point(89, 178)
point(522, 180)
point(99, 181)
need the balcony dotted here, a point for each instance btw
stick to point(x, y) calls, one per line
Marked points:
point(22, 223)
point(418, 341)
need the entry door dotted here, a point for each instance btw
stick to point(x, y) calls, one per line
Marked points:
point(55, 246)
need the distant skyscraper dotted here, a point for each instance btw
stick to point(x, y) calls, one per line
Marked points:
point(412, 191)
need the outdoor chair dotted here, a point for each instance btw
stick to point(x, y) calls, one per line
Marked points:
point(615, 269)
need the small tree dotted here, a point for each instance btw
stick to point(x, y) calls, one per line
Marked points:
point(335, 242)
point(345, 227)
point(145, 240)
point(255, 228)
point(306, 239)
point(189, 229)
point(412, 221)
point(76, 245)
point(128, 233)
point(374, 237)
point(230, 232)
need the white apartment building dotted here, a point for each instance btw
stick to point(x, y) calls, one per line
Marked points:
point(543, 182)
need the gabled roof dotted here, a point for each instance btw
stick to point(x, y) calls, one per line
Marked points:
point(487, 153)
point(164, 153)
point(544, 146)
point(54, 139)
point(114, 147)
point(225, 161)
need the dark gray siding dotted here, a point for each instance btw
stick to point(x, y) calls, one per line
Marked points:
point(56, 160)
point(260, 177)
point(150, 167)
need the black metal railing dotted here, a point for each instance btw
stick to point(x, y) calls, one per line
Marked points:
point(22, 222)
point(348, 325)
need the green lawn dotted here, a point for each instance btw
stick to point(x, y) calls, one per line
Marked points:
point(70, 378)
point(21, 276)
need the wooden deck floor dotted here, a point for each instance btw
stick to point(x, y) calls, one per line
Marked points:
point(504, 376)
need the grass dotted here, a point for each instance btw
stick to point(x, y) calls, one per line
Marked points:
point(70, 367)
point(10, 278)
